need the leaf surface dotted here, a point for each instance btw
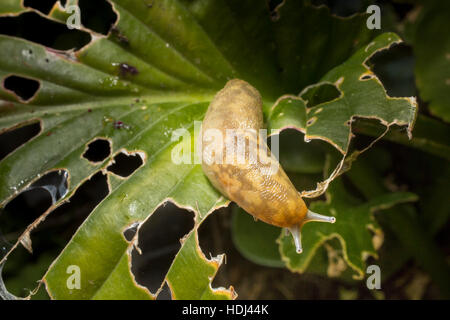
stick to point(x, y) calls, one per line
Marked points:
point(155, 72)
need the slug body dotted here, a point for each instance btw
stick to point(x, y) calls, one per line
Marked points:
point(260, 187)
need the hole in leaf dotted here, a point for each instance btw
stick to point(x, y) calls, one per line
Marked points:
point(395, 69)
point(43, 6)
point(124, 164)
point(31, 203)
point(213, 231)
point(165, 293)
point(24, 88)
point(14, 138)
point(375, 128)
point(320, 94)
point(311, 121)
point(51, 236)
point(98, 150)
point(214, 236)
point(131, 232)
point(22, 211)
point(33, 27)
point(159, 240)
point(70, 215)
point(5, 245)
point(55, 183)
point(90, 15)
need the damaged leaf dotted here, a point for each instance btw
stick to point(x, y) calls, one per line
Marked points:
point(432, 67)
point(11, 7)
point(361, 94)
point(354, 222)
point(155, 72)
point(191, 272)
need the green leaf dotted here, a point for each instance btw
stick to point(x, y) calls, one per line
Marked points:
point(361, 96)
point(191, 272)
point(101, 239)
point(353, 224)
point(408, 227)
point(431, 46)
point(155, 72)
point(11, 7)
point(329, 261)
point(256, 240)
point(310, 42)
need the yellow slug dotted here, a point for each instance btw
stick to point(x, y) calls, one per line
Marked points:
point(254, 185)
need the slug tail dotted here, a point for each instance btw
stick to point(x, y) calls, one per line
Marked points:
point(295, 231)
point(312, 216)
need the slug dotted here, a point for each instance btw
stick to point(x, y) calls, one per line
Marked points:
point(266, 194)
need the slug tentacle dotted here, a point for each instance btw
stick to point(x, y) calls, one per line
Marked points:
point(312, 216)
point(295, 231)
point(242, 167)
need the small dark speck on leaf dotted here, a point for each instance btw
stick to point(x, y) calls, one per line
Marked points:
point(49, 133)
point(119, 125)
point(125, 69)
point(89, 110)
point(120, 37)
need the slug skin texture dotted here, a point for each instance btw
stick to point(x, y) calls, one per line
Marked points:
point(260, 187)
